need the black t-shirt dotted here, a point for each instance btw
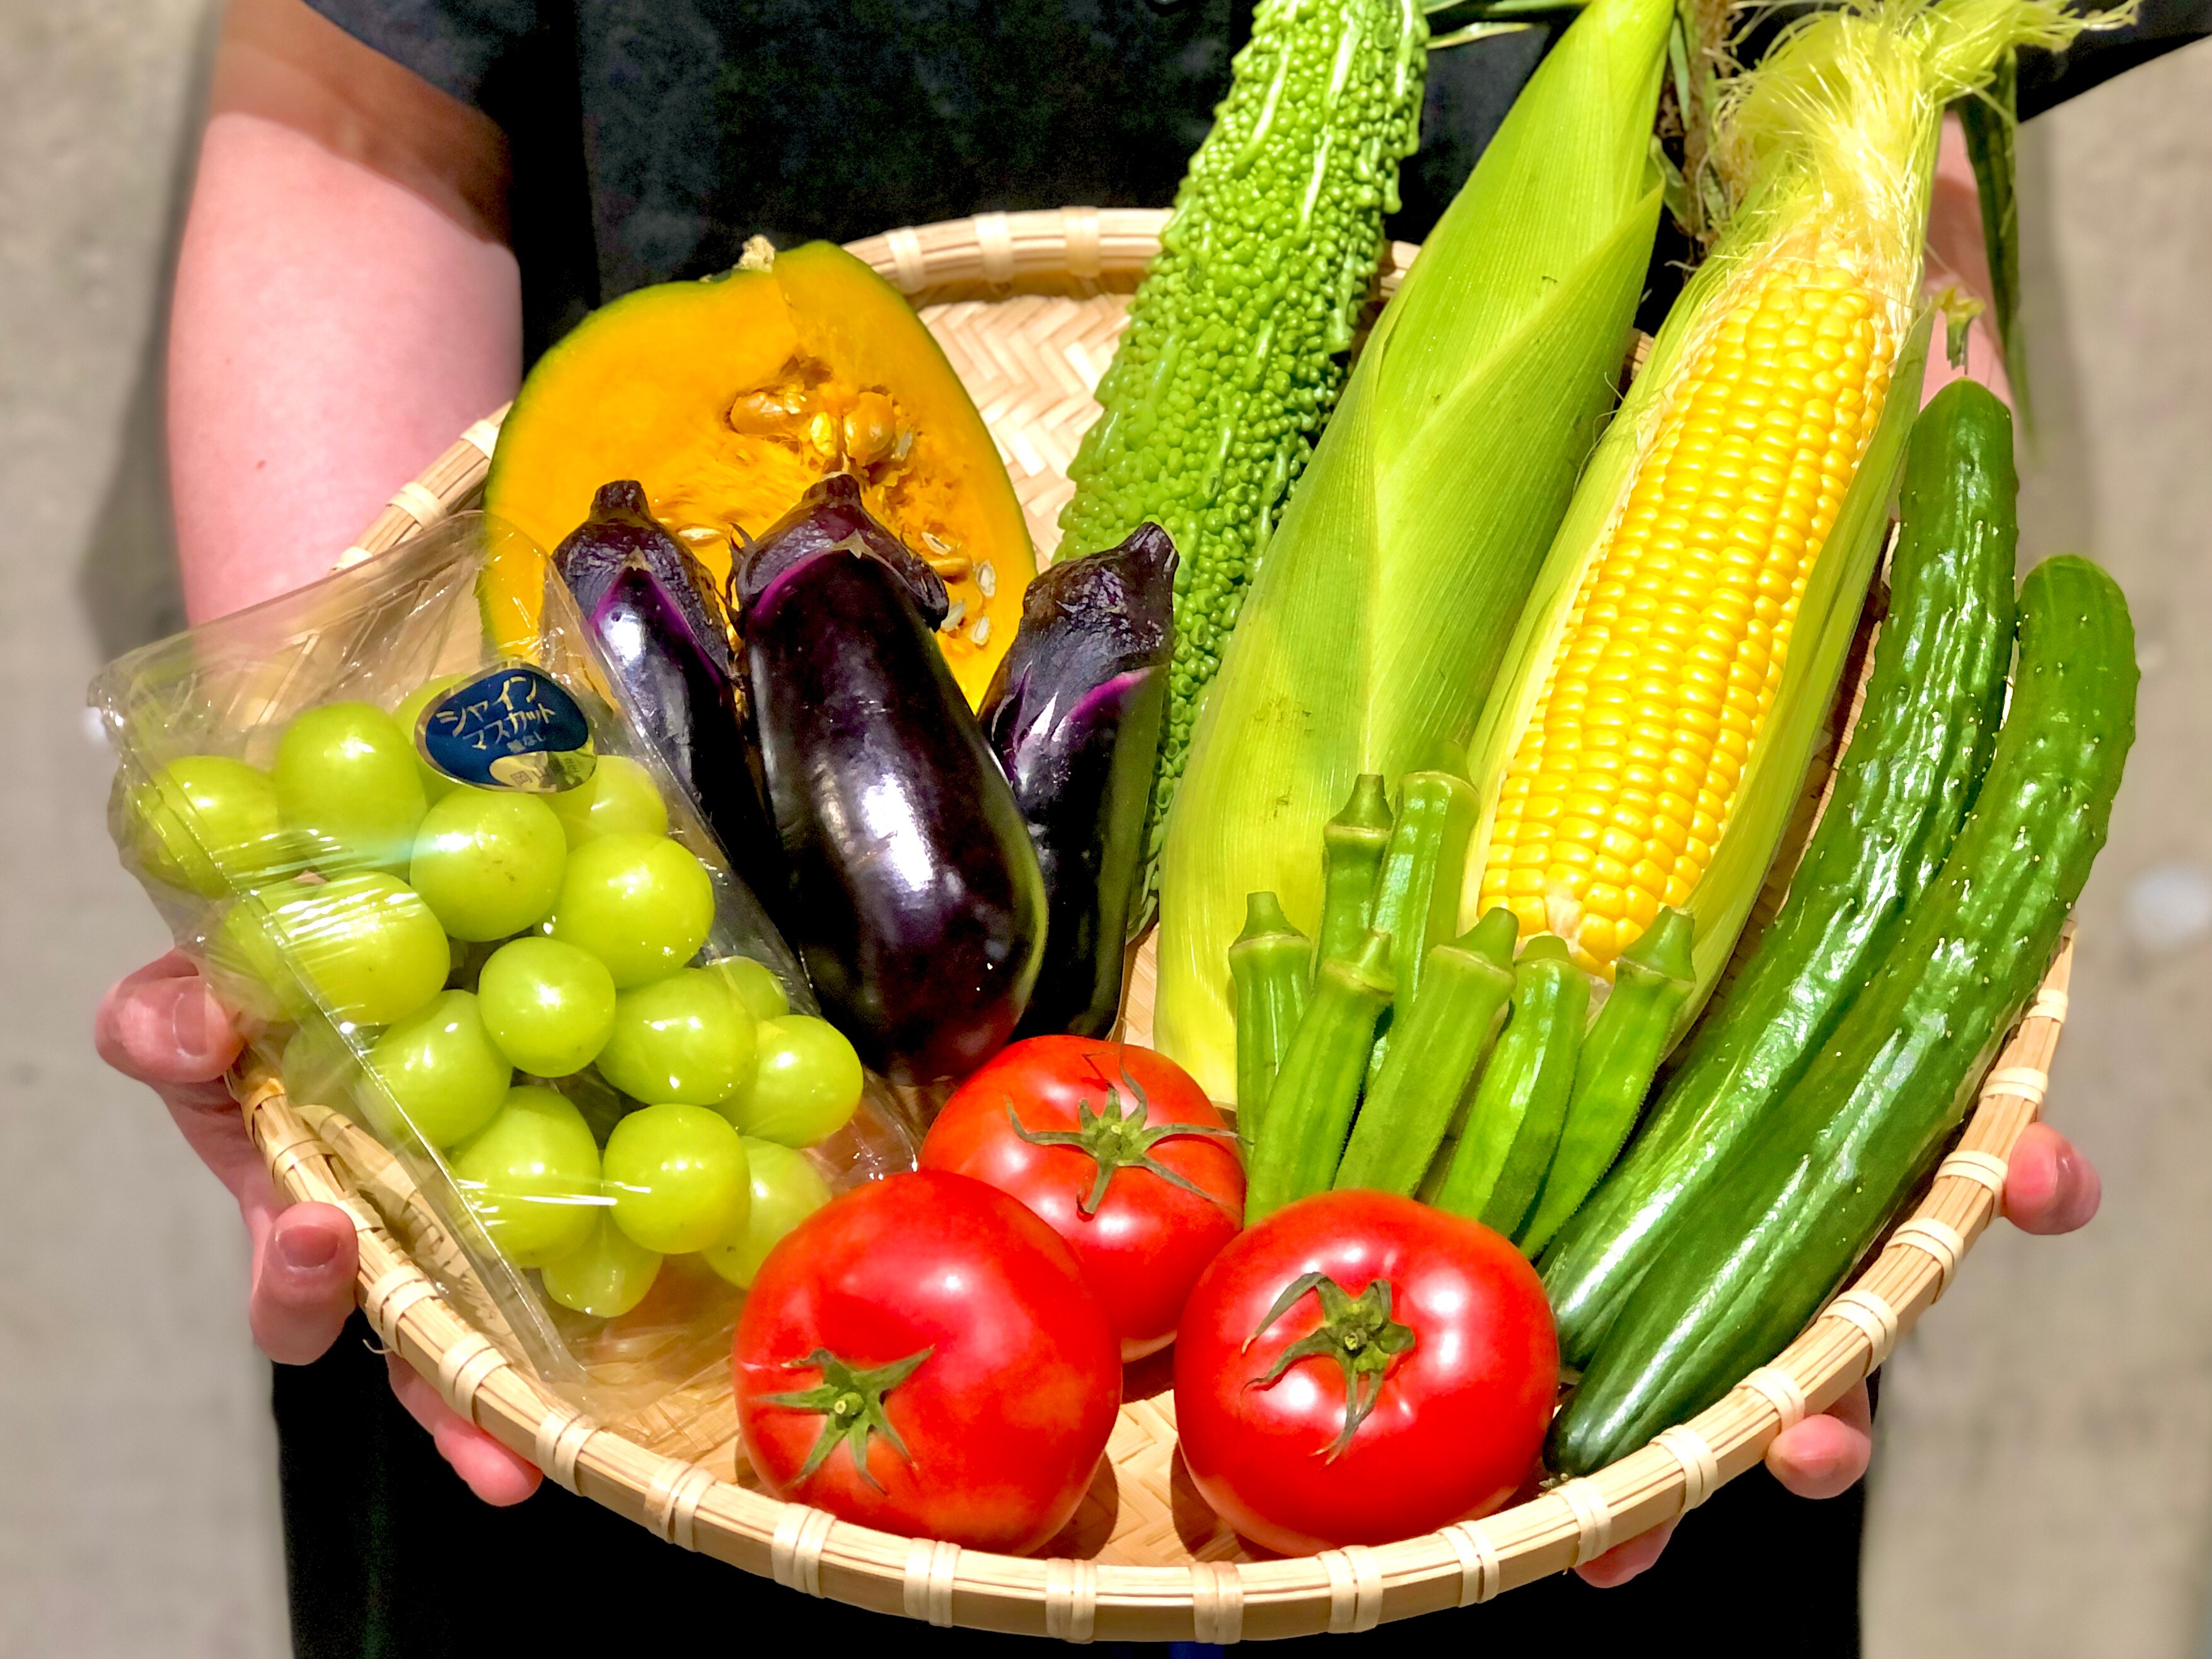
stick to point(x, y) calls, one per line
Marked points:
point(651, 138)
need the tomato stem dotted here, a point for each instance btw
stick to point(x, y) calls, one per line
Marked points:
point(1357, 1331)
point(852, 1402)
point(1117, 1140)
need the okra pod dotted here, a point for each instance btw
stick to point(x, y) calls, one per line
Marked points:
point(1465, 986)
point(1417, 891)
point(1317, 1090)
point(1352, 847)
point(1268, 964)
point(1521, 1100)
point(1652, 979)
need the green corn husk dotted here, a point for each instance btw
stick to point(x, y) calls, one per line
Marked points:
point(1385, 602)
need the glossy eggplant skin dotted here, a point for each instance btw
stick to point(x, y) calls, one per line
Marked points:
point(914, 894)
point(1073, 715)
point(662, 630)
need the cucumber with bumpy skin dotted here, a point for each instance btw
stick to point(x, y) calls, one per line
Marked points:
point(1877, 1107)
point(1902, 789)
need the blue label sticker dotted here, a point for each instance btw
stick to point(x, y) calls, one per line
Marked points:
point(513, 728)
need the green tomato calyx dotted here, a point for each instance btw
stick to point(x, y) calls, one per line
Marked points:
point(852, 1404)
point(1357, 1331)
point(1118, 1138)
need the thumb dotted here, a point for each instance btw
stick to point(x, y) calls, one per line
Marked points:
point(163, 1026)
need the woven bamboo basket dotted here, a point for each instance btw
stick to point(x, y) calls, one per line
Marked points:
point(1028, 306)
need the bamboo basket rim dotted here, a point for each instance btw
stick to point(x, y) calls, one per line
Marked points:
point(1084, 251)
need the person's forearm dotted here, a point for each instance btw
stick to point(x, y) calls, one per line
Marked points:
point(332, 332)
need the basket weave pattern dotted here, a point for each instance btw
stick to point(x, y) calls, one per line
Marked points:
point(1144, 1559)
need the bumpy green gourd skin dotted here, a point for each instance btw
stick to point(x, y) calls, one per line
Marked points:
point(1652, 979)
point(1267, 964)
point(1235, 347)
point(1906, 779)
point(1309, 1111)
point(1879, 1102)
point(1351, 848)
point(1440, 1041)
point(1513, 1125)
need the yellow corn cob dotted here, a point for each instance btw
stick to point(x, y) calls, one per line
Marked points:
point(1629, 767)
point(1670, 673)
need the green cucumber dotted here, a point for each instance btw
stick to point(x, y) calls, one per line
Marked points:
point(1513, 1126)
point(1902, 789)
point(1867, 1122)
point(1651, 980)
point(1464, 988)
point(1310, 1111)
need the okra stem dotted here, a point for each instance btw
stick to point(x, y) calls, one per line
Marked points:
point(1521, 1100)
point(1351, 848)
point(1438, 1043)
point(1417, 890)
point(1652, 979)
point(1317, 1090)
point(1268, 964)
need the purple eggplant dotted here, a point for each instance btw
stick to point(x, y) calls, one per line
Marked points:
point(1074, 714)
point(661, 631)
point(915, 896)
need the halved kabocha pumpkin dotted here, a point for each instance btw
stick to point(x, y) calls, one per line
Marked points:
point(728, 398)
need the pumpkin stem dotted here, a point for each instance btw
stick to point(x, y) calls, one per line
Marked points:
point(758, 254)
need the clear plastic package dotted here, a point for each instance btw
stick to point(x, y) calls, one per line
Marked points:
point(470, 919)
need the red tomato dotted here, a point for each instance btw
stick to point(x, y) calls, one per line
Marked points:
point(923, 1355)
point(1360, 1368)
point(1091, 1136)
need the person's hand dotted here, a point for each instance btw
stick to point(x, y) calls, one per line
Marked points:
point(164, 1027)
point(2049, 1188)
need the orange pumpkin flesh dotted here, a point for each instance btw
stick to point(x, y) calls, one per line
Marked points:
point(725, 398)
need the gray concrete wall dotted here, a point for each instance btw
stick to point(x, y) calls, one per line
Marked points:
point(2047, 1459)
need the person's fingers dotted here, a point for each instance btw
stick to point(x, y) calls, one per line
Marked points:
point(490, 1471)
point(163, 1026)
point(304, 1260)
point(2050, 1187)
point(1624, 1561)
point(1827, 1455)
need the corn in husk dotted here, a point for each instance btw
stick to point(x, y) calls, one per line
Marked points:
point(1390, 591)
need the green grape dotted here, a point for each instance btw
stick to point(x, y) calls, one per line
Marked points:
point(548, 1005)
point(806, 1082)
point(441, 1069)
point(639, 903)
point(786, 1191)
point(678, 1178)
point(246, 969)
point(531, 1177)
point(754, 986)
point(436, 784)
point(318, 1068)
point(619, 798)
point(209, 823)
point(605, 1276)
point(488, 862)
point(365, 944)
point(683, 1039)
point(347, 782)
